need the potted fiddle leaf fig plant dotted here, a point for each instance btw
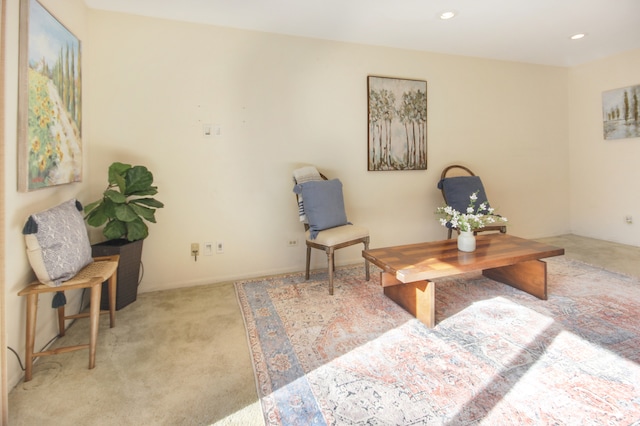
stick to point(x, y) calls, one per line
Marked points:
point(125, 205)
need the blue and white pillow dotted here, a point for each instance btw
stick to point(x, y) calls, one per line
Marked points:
point(58, 245)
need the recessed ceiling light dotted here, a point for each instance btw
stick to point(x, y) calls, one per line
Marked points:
point(447, 14)
point(577, 36)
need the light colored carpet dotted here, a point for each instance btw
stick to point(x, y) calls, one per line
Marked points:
point(175, 357)
point(496, 356)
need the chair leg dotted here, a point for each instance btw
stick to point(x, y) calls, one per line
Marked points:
point(330, 267)
point(112, 299)
point(32, 312)
point(366, 262)
point(94, 318)
point(306, 276)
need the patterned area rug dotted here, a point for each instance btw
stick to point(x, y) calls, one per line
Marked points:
point(496, 356)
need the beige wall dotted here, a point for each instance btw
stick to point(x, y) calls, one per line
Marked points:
point(282, 102)
point(4, 415)
point(18, 205)
point(603, 172)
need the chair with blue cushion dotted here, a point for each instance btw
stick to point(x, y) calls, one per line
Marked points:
point(457, 183)
point(321, 208)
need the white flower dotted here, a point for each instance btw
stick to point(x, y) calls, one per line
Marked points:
point(471, 220)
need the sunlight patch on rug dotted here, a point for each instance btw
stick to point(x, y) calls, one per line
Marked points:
point(496, 354)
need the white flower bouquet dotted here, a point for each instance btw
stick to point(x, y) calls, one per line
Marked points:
point(472, 219)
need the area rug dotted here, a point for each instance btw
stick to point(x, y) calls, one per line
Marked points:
point(496, 355)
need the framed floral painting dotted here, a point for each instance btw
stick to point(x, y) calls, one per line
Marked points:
point(49, 101)
point(397, 133)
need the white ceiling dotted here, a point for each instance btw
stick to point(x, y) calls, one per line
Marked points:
point(533, 31)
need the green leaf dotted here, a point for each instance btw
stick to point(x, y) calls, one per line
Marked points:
point(91, 206)
point(97, 217)
point(109, 208)
point(145, 212)
point(151, 202)
point(125, 213)
point(114, 230)
point(122, 184)
point(152, 190)
point(117, 170)
point(138, 179)
point(115, 196)
point(137, 230)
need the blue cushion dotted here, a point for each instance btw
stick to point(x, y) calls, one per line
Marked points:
point(323, 204)
point(457, 191)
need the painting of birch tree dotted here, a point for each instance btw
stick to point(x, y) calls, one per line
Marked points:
point(621, 113)
point(397, 124)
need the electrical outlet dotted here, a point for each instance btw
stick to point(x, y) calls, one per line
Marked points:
point(195, 250)
point(208, 249)
point(628, 219)
point(219, 247)
point(292, 242)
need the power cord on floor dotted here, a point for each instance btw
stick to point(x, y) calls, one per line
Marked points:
point(54, 337)
point(17, 356)
point(72, 322)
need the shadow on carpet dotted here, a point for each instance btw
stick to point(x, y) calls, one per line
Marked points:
point(496, 356)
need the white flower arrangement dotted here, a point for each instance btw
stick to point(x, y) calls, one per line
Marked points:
point(472, 220)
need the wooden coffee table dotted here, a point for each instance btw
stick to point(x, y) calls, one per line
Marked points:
point(408, 270)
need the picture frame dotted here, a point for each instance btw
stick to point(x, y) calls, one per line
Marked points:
point(621, 113)
point(49, 101)
point(397, 124)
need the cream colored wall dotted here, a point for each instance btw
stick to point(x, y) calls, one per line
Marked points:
point(603, 172)
point(19, 205)
point(282, 102)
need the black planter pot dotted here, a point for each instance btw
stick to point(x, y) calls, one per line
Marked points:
point(128, 270)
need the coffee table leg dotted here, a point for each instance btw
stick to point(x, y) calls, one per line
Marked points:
point(529, 276)
point(417, 298)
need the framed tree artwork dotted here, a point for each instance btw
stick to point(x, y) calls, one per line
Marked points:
point(49, 101)
point(621, 113)
point(397, 133)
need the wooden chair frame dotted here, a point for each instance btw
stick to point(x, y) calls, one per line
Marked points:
point(102, 269)
point(330, 252)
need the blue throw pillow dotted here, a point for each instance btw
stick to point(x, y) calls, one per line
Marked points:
point(323, 204)
point(458, 189)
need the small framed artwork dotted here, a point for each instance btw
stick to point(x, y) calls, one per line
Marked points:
point(621, 113)
point(397, 133)
point(49, 101)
